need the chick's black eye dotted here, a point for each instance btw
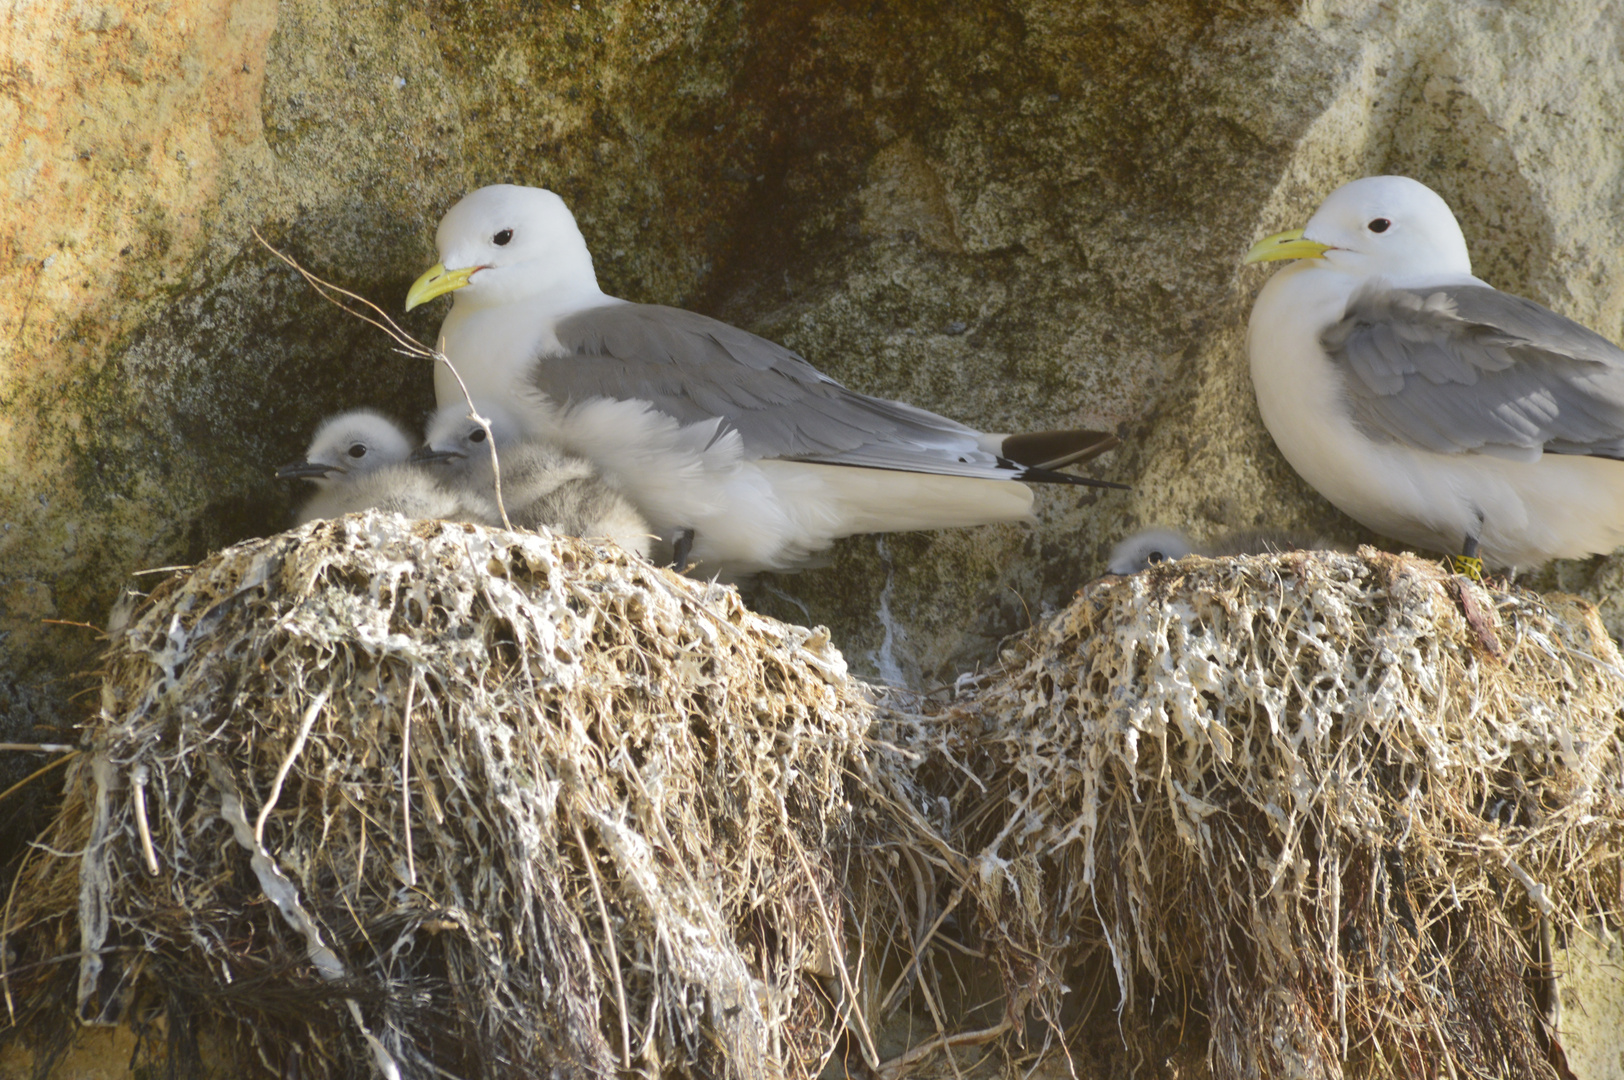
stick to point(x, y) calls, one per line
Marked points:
point(1380, 224)
point(477, 435)
point(501, 238)
point(1155, 557)
point(358, 450)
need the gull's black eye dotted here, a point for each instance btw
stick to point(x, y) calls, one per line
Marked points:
point(501, 238)
point(358, 450)
point(477, 435)
point(1155, 557)
point(1380, 224)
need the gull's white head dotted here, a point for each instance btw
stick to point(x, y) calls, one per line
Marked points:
point(1149, 548)
point(507, 243)
point(351, 443)
point(1387, 225)
point(457, 442)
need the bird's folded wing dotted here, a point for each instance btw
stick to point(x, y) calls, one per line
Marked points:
point(694, 368)
point(1467, 367)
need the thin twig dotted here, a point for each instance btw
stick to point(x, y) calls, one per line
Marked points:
point(383, 322)
point(293, 753)
point(869, 1046)
point(20, 968)
point(614, 955)
point(485, 424)
point(940, 1021)
point(1548, 975)
point(68, 756)
point(405, 778)
point(39, 747)
point(406, 343)
point(923, 944)
point(899, 1066)
point(138, 796)
point(5, 934)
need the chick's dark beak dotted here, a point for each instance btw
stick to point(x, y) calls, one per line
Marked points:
point(427, 455)
point(304, 470)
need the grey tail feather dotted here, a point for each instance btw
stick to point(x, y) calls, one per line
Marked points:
point(1057, 449)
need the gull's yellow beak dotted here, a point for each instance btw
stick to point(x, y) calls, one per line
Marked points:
point(1286, 245)
point(437, 281)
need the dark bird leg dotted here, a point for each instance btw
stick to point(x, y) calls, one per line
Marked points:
point(681, 546)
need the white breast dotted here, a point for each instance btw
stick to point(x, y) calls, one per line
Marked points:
point(1425, 499)
point(1522, 513)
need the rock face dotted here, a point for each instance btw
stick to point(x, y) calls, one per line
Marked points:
point(1021, 215)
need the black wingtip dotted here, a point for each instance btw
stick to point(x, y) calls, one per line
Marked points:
point(1057, 449)
point(1050, 476)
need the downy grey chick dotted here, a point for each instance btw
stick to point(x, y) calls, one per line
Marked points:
point(358, 460)
point(1152, 546)
point(542, 485)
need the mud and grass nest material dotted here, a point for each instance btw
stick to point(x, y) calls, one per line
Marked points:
point(1314, 809)
point(412, 797)
point(1314, 813)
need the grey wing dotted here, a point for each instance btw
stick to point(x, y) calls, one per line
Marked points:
point(1467, 367)
point(695, 368)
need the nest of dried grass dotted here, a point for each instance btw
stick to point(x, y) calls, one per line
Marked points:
point(415, 799)
point(380, 798)
point(1314, 807)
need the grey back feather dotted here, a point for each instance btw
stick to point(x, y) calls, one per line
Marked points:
point(695, 368)
point(1467, 367)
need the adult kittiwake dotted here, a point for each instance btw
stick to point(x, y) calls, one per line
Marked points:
point(541, 484)
point(1423, 402)
point(703, 426)
point(358, 460)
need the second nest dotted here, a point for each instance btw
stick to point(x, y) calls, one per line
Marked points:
point(1327, 813)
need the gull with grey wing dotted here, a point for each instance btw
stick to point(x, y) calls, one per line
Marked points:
point(1427, 404)
point(704, 426)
